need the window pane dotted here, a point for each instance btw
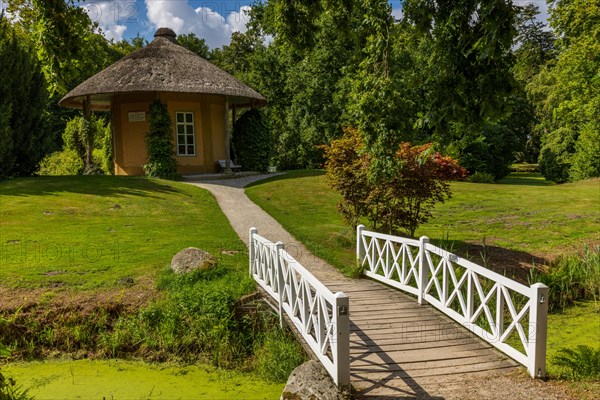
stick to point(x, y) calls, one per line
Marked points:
point(190, 150)
point(190, 139)
point(189, 117)
point(180, 129)
point(179, 117)
point(189, 129)
point(180, 139)
point(181, 149)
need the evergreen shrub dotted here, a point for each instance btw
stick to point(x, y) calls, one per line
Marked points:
point(252, 141)
point(159, 144)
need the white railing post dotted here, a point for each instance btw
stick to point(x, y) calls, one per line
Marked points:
point(341, 320)
point(279, 249)
point(360, 249)
point(470, 296)
point(423, 269)
point(538, 326)
point(499, 313)
point(251, 250)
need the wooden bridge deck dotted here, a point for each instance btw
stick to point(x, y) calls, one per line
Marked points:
point(399, 348)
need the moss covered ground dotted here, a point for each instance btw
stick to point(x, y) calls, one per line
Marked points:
point(117, 379)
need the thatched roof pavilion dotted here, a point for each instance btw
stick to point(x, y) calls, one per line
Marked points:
point(198, 94)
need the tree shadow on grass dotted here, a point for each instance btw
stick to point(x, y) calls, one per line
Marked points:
point(525, 179)
point(301, 173)
point(93, 185)
point(513, 264)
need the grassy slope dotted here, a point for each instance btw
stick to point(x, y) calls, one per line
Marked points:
point(89, 232)
point(523, 213)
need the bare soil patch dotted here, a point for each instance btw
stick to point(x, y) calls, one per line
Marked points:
point(129, 298)
point(58, 322)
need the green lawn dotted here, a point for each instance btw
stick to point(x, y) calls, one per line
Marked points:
point(91, 232)
point(521, 219)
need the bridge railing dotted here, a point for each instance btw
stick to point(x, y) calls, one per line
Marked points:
point(320, 316)
point(505, 313)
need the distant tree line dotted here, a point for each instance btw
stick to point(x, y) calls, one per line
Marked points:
point(485, 81)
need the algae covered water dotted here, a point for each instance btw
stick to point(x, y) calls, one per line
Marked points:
point(117, 379)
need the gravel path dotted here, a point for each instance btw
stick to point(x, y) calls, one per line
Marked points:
point(499, 385)
point(243, 214)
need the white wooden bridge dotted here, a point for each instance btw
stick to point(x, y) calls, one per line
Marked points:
point(458, 318)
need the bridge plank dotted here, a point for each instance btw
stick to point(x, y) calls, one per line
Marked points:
point(393, 347)
point(378, 357)
point(431, 369)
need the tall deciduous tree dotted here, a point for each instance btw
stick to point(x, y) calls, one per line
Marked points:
point(62, 34)
point(313, 47)
point(193, 43)
point(468, 43)
point(569, 94)
point(534, 48)
point(378, 102)
point(68, 47)
point(23, 97)
point(466, 75)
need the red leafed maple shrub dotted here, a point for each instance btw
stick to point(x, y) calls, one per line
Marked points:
point(402, 200)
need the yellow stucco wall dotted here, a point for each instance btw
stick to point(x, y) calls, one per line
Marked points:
point(128, 136)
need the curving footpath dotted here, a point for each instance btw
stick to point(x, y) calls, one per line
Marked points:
point(398, 349)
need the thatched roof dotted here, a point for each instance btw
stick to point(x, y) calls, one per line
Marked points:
point(162, 66)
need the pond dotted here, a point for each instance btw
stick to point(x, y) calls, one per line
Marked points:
point(117, 379)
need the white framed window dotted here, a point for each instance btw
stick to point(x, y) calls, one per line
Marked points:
point(184, 126)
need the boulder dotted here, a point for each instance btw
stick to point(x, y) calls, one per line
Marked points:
point(310, 381)
point(192, 259)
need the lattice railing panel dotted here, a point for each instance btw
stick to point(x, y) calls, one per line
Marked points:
point(392, 262)
point(320, 316)
point(505, 313)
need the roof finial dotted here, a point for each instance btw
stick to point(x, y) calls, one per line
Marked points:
point(166, 33)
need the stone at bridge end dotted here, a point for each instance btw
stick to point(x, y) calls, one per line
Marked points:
point(310, 381)
point(192, 259)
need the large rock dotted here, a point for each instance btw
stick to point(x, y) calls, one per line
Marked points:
point(191, 259)
point(310, 381)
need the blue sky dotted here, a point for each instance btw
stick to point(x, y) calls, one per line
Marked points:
point(212, 20)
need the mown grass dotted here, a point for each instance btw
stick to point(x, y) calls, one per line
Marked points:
point(522, 213)
point(90, 232)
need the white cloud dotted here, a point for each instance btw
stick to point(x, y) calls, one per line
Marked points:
point(237, 20)
point(113, 16)
point(214, 22)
